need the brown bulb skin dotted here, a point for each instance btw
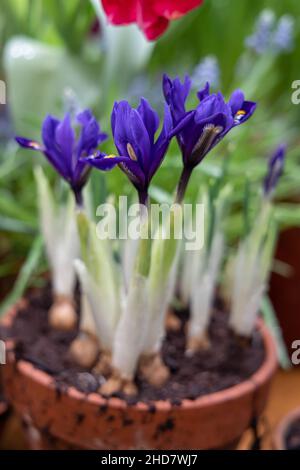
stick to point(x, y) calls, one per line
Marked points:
point(104, 364)
point(62, 314)
point(118, 384)
point(154, 370)
point(197, 343)
point(84, 350)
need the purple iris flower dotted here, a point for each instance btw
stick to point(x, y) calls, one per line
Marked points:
point(64, 150)
point(276, 164)
point(140, 154)
point(212, 119)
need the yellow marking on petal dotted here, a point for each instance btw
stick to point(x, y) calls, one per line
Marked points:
point(110, 156)
point(239, 116)
point(131, 152)
point(34, 145)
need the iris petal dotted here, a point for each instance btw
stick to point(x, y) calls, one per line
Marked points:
point(176, 94)
point(212, 111)
point(108, 162)
point(149, 117)
point(60, 146)
point(134, 136)
point(65, 139)
point(29, 144)
point(52, 151)
point(275, 170)
point(236, 101)
point(218, 120)
point(90, 135)
point(162, 143)
point(140, 140)
point(103, 162)
point(48, 132)
point(204, 93)
point(246, 111)
point(121, 126)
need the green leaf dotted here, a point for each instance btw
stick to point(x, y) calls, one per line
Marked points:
point(143, 257)
point(83, 231)
point(8, 224)
point(287, 215)
point(29, 267)
point(13, 209)
point(160, 195)
point(246, 208)
point(98, 258)
point(269, 316)
point(164, 252)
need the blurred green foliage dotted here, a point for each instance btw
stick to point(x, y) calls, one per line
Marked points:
point(52, 21)
point(220, 28)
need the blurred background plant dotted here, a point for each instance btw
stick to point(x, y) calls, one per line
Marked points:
point(60, 55)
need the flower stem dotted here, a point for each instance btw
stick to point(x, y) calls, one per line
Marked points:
point(144, 205)
point(144, 198)
point(142, 262)
point(183, 182)
point(78, 198)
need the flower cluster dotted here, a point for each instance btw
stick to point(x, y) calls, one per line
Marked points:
point(124, 304)
point(140, 152)
point(283, 38)
point(272, 35)
point(208, 70)
point(204, 126)
point(64, 152)
point(261, 38)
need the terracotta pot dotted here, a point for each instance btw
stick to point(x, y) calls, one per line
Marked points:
point(281, 432)
point(4, 407)
point(73, 420)
point(4, 411)
point(284, 291)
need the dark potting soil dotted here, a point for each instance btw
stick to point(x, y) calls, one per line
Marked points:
point(293, 436)
point(227, 363)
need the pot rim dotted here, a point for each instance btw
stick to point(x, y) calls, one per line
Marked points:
point(250, 385)
point(280, 433)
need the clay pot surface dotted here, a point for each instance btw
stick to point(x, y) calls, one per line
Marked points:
point(281, 431)
point(71, 419)
point(285, 291)
point(4, 411)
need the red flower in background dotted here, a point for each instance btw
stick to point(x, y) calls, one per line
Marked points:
point(152, 16)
